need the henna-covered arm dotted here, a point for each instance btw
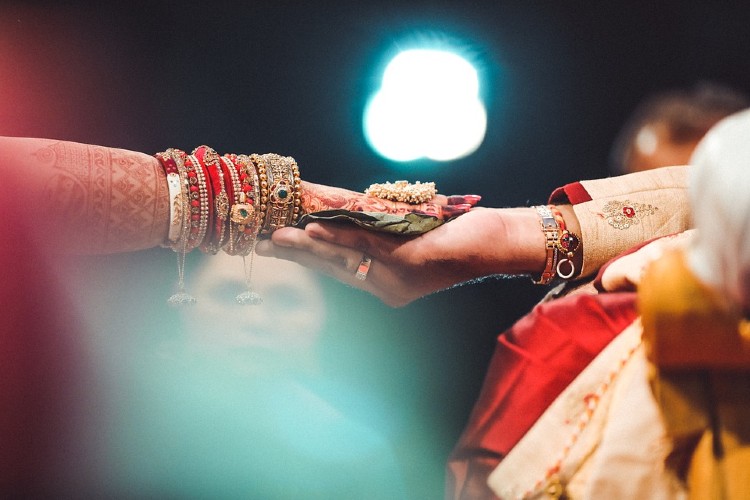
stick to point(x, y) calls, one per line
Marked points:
point(92, 199)
point(83, 198)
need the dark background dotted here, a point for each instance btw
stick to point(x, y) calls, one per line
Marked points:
point(558, 80)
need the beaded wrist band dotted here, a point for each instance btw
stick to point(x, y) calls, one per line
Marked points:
point(234, 189)
point(261, 169)
point(198, 196)
point(551, 230)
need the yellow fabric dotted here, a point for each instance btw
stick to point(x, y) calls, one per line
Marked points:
point(701, 378)
point(686, 324)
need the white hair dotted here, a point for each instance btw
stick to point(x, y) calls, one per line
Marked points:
point(720, 201)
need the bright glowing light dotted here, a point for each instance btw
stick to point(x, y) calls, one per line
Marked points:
point(428, 106)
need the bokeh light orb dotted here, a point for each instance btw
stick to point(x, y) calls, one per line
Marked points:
point(427, 106)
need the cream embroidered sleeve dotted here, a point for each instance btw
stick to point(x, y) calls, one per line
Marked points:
point(618, 213)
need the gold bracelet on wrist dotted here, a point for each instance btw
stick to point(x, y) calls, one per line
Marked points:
point(551, 230)
point(567, 243)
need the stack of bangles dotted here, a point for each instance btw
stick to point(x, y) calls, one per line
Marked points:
point(225, 203)
point(560, 244)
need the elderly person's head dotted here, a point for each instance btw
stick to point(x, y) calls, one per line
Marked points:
point(720, 200)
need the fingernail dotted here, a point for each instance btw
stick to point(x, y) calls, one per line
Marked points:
point(471, 199)
point(315, 230)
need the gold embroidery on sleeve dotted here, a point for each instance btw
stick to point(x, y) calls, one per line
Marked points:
point(623, 214)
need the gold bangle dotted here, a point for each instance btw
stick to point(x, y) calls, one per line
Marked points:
point(248, 223)
point(234, 202)
point(297, 195)
point(283, 176)
point(261, 169)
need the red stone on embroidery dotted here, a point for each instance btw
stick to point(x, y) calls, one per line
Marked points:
point(629, 212)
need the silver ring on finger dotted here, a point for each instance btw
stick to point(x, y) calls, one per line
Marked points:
point(363, 267)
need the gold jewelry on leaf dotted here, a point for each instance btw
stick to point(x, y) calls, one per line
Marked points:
point(403, 191)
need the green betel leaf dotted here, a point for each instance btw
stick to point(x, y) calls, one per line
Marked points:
point(408, 225)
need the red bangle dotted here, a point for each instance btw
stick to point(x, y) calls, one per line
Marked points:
point(198, 196)
point(217, 201)
point(168, 162)
point(203, 156)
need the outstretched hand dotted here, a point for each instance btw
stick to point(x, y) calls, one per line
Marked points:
point(403, 268)
point(318, 197)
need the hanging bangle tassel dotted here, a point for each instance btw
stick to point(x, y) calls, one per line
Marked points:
point(174, 166)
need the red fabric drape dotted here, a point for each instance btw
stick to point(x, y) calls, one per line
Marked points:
point(533, 362)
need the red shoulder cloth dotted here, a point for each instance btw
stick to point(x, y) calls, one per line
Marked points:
point(533, 362)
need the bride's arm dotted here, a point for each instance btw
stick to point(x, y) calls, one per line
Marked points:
point(86, 198)
point(93, 199)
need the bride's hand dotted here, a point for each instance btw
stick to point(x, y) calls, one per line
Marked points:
point(317, 197)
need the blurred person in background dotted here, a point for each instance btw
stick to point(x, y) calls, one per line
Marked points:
point(236, 402)
point(664, 128)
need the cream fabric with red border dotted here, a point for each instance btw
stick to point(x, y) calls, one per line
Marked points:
point(603, 436)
